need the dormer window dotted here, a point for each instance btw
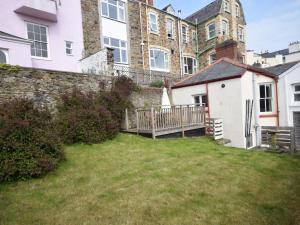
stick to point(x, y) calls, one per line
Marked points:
point(227, 6)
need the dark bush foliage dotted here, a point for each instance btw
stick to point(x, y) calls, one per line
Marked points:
point(94, 117)
point(29, 142)
point(157, 84)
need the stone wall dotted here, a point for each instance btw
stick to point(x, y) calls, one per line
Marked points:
point(91, 27)
point(45, 86)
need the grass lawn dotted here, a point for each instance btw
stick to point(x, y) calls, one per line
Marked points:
point(133, 180)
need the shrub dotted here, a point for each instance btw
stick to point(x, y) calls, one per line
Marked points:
point(94, 117)
point(157, 84)
point(29, 143)
point(82, 119)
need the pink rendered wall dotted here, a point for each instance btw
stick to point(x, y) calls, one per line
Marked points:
point(18, 54)
point(67, 28)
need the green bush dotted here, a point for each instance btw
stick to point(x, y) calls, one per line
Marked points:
point(29, 142)
point(157, 84)
point(94, 117)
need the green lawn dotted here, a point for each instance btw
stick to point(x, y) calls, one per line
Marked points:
point(133, 180)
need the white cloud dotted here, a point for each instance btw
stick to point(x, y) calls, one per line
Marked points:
point(274, 33)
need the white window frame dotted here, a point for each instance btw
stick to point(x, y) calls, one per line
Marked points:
point(266, 98)
point(69, 48)
point(5, 52)
point(227, 6)
point(185, 36)
point(170, 35)
point(151, 24)
point(210, 61)
point(241, 33)
point(200, 96)
point(295, 92)
point(48, 40)
point(237, 10)
point(208, 31)
point(120, 6)
point(224, 28)
point(120, 47)
point(166, 58)
point(186, 66)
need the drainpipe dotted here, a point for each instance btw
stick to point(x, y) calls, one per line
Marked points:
point(256, 113)
point(179, 44)
point(277, 102)
point(142, 39)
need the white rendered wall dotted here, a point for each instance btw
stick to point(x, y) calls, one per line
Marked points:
point(184, 96)
point(287, 105)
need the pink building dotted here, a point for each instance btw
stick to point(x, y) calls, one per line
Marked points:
point(41, 33)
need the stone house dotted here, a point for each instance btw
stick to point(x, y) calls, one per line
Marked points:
point(145, 38)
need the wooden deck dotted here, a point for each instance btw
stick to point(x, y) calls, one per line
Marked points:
point(159, 121)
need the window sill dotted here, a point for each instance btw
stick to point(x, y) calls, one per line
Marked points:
point(154, 33)
point(41, 58)
point(120, 21)
point(158, 70)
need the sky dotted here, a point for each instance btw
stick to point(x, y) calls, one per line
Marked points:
point(271, 24)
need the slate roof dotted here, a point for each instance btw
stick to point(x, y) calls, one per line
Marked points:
point(273, 54)
point(209, 11)
point(223, 69)
point(280, 69)
point(7, 35)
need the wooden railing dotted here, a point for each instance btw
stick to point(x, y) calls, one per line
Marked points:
point(163, 120)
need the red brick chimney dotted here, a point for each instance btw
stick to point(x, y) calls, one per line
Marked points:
point(229, 49)
point(150, 2)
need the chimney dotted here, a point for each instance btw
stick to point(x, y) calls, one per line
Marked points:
point(229, 49)
point(150, 2)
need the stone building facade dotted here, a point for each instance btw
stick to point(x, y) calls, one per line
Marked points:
point(145, 38)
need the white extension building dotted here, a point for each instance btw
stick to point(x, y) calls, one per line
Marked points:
point(224, 87)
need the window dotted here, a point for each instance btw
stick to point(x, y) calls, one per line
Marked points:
point(237, 10)
point(212, 58)
point(266, 98)
point(296, 89)
point(184, 30)
point(69, 48)
point(194, 36)
point(170, 28)
point(3, 56)
point(200, 100)
point(113, 9)
point(211, 30)
point(189, 65)
point(241, 34)
point(38, 34)
point(224, 28)
point(159, 60)
point(119, 47)
point(153, 22)
point(227, 6)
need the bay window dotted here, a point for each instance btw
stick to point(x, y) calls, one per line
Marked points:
point(119, 49)
point(113, 9)
point(266, 97)
point(159, 60)
point(38, 34)
point(211, 28)
point(189, 65)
